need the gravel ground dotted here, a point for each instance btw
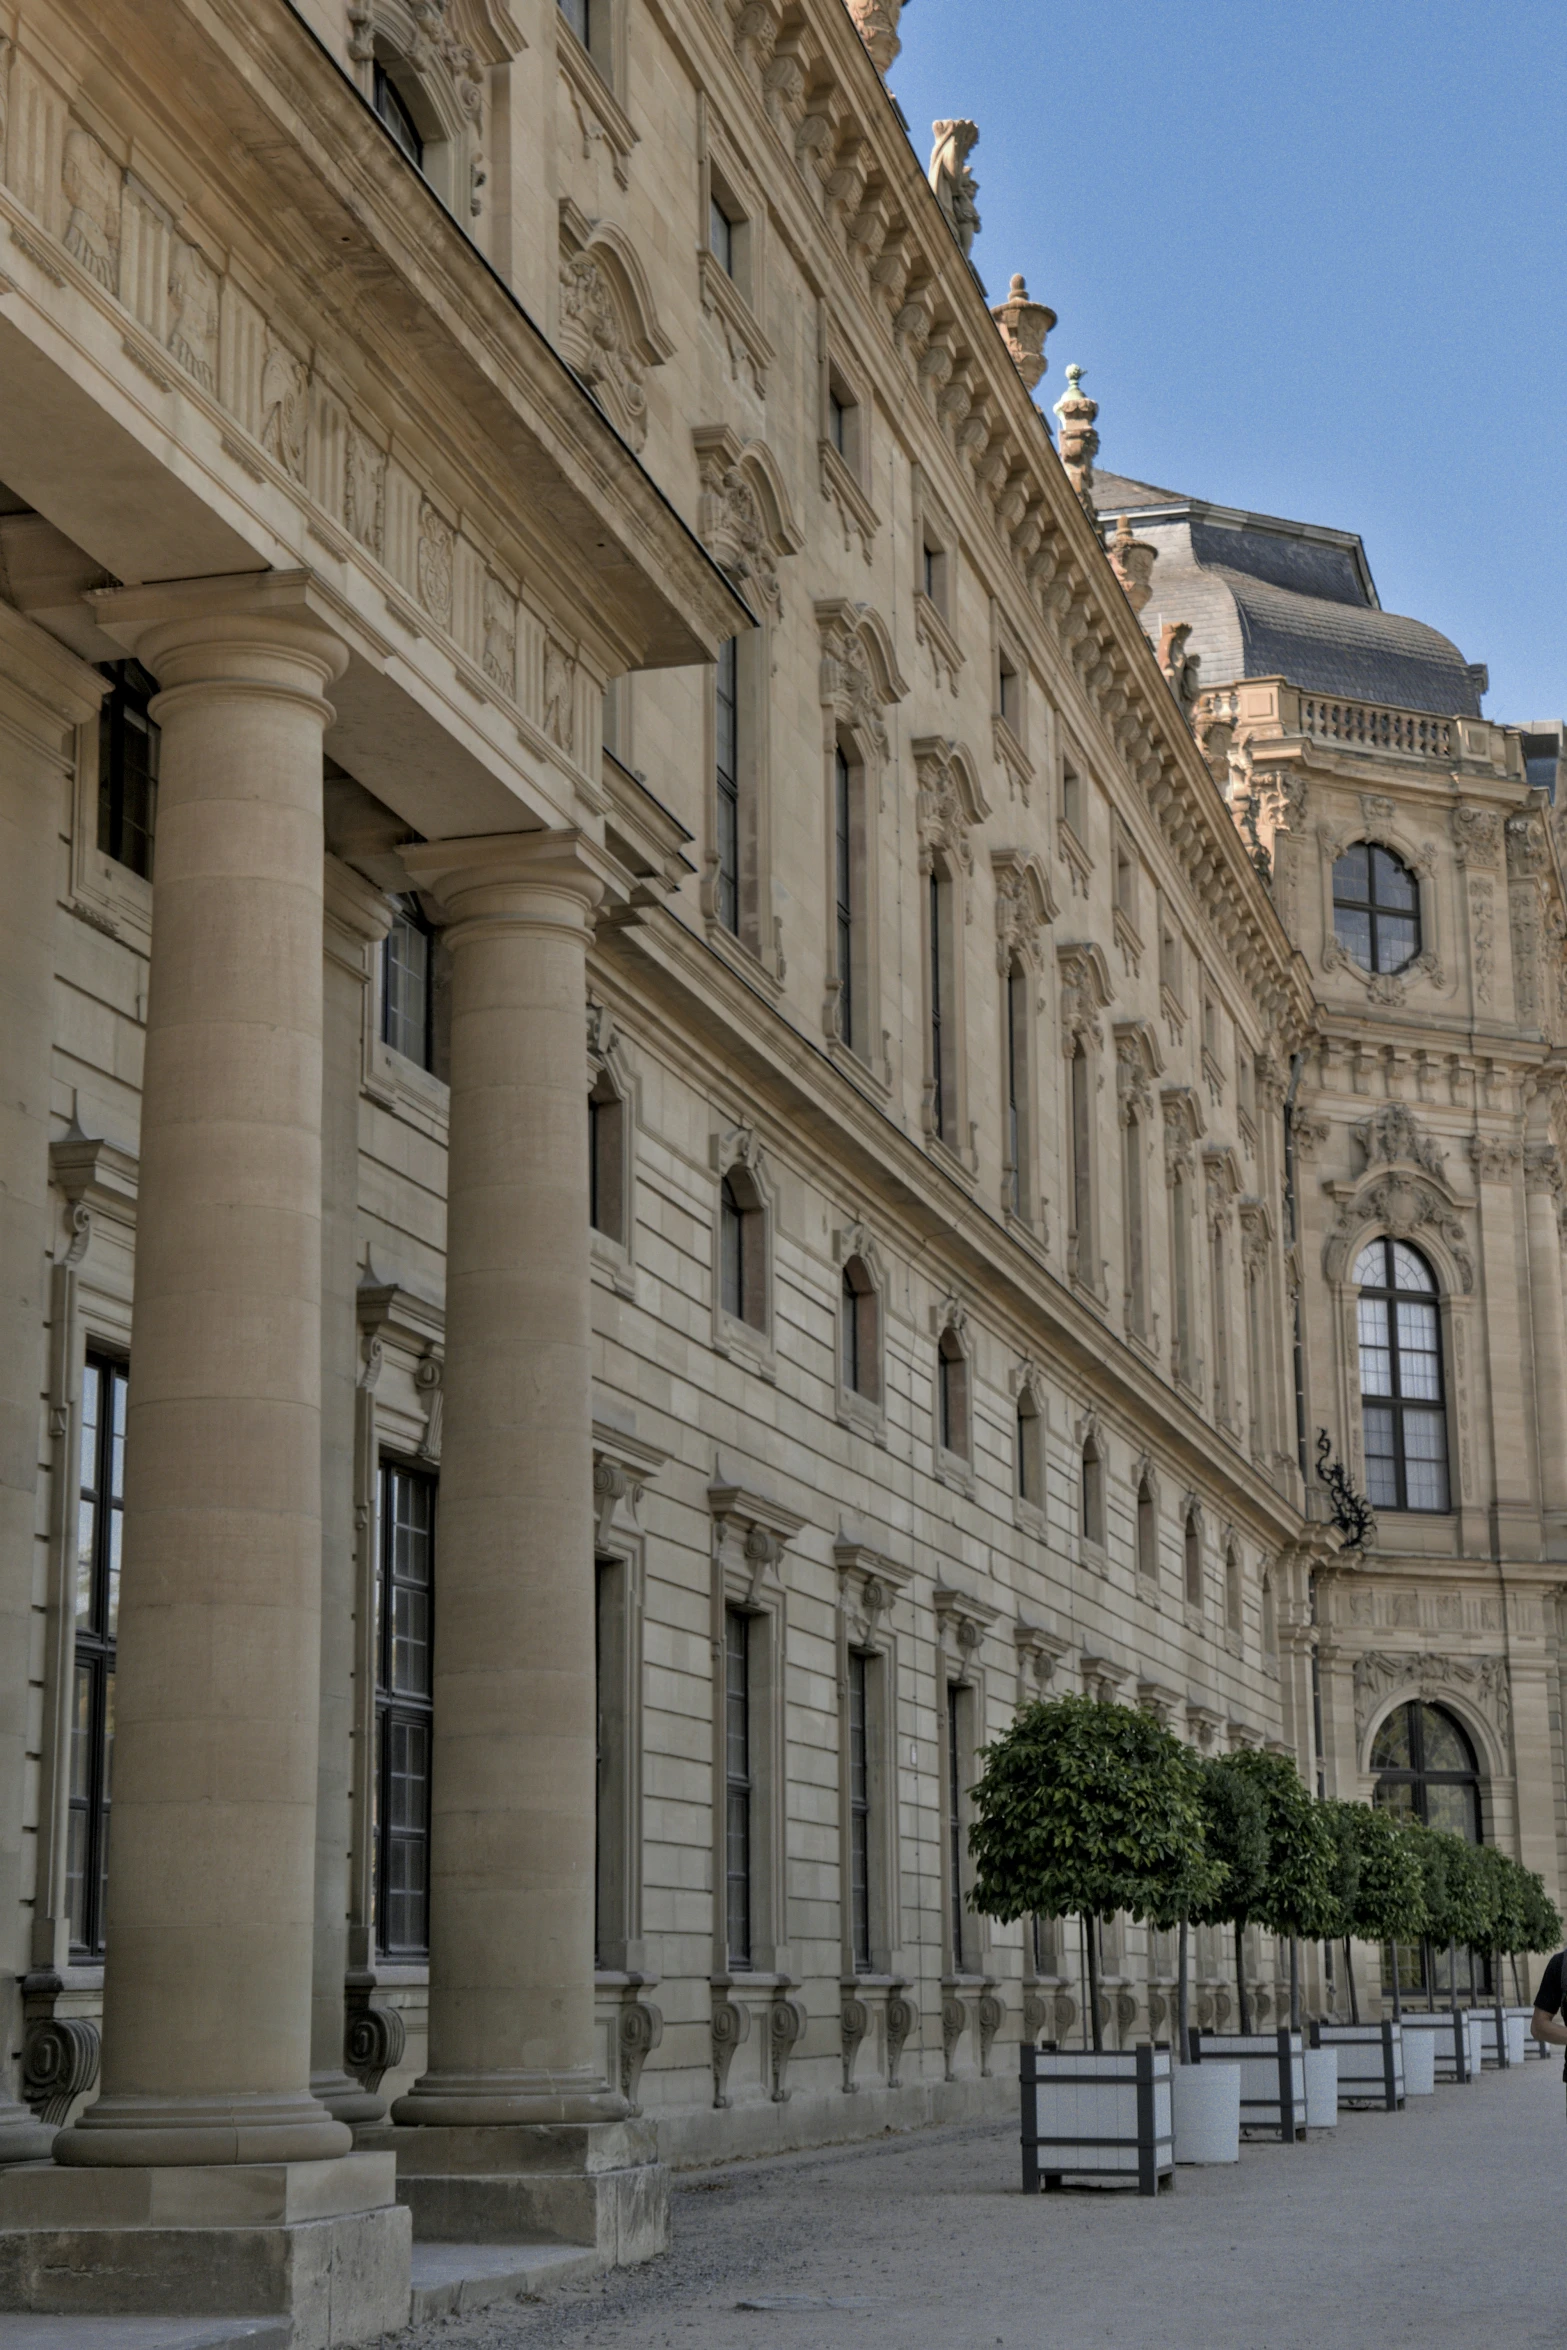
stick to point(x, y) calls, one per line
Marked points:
point(1438, 2226)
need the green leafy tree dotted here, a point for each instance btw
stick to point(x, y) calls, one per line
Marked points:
point(1542, 1920)
point(1389, 1903)
point(1236, 1833)
point(1087, 1808)
point(1297, 1895)
point(1523, 1919)
point(1459, 1892)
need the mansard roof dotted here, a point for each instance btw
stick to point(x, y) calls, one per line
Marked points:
point(1266, 597)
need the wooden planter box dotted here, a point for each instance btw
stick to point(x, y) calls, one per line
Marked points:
point(1370, 2062)
point(1273, 2078)
point(1096, 2117)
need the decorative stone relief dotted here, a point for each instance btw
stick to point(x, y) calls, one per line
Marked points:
point(1483, 1680)
point(949, 802)
point(608, 328)
point(903, 2023)
point(639, 2029)
point(60, 2057)
point(374, 2039)
point(1542, 1168)
point(1495, 1160)
point(284, 408)
point(859, 673)
point(500, 636)
point(1527, 851)
point(558, 706)
point(854, 2023)
point(1085, 992)
point(1132, 561)
point(1023, 907)
point(953, 182)
point(1181, 669)
point(786, 2025)
point(876, 22)
point(91, 181)
point(744, 518)
point(1078, 442)
point(364, 491)
point(193, 323)
point(1402, 1207)
point(436, 546)
point(1391, 1133)
point(954, 2023)
point(991, 2015)
point(1477, 835)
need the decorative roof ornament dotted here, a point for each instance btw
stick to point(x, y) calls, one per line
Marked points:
point(876, 22)
point(1024, 325)
point(1181, 668)
point(1079, 443)
point(953, 183)
point(1132, 561)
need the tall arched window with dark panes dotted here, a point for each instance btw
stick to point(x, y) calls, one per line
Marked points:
point(405, 1657)
point(1376, 908)
point(1191, 1561)
point(737, 1787)
point(952, 1410)
point(1219, 1293)
point(1426, 1769)
point(844, 891)
point(1091, 1493)
point(959, 1702)
point(607, 1161)
point(1080, 1160)
point(99, 1516)
point(1132, 1214)
point(1030, 1450)
point(1147, 1532)
point(1403, 1410)
point(860, 1337)
point(726, 783)
point(393, 108)
point(1017, 1172)
point(128, 741)
point(1181, 1276)
point(408, 984)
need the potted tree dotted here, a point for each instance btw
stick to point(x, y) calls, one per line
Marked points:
point(1093, 1808)
point(1523, 1919)
point(1207, 2097)
point(1388, 1905)
point(1457, 1908)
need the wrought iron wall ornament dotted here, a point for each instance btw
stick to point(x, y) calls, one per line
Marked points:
point(1352, 1513)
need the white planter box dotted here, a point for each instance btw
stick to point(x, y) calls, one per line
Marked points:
point(1513, 2026)
point(1096, 2117)
point(1273, 2077)
point(1455, 2041)
point(1419, 2064)
point(1322, 2088)
point(1532, 2047)
point(1205, 2101)
point(1370, 2062)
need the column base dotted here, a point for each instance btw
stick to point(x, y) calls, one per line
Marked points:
point(322, 2244)
point(599, 2184)
point(23, 2138)
point(347, 2100)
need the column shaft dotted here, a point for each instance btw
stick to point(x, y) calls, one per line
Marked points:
point(211, 1884)
point(512, 1831)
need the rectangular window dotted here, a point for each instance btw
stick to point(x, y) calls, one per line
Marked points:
point(1073, 810)
point(128, 740)
point(938, 956)
point(1082, 1165)
point(933, 575)
point(407, 985)
point(405, 1636)
point(859, 1811)
point(721, 237)
point(1008, 692)
point(957, 1717)
point(843, 833)
point(738, 1788)
point(612, 1828)
point(578, 15)
point(99, 1518)
point(1181, 1257)
point(607, 1161)
point(1136, 1255)
point(727, 780)
point(1017, 1089)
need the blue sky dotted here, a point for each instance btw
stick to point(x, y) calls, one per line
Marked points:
point(1313, 257)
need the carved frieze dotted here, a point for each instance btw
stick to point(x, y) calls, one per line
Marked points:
point(949, 802)
point(1023, 907)
point(1392, 1133)
point(744, 518)
point(1482, 1680)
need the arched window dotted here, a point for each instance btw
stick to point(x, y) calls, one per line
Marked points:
point(1401, 1379)
point(742, 1241)
point(607, 1161)
point(1081, 1162)
point(1270, 1619)
point(1092, 1502)
point(392, 107)
point(952, 1408)
point(1232, 1592)
point(943, 992)
point(1426, 1769)
point(1030, 1463)
point(1147, 1533)
point(1192, 1560)
point(1018, 1175)
point(848, 887)
point(861, 1352)
point(1376, 908)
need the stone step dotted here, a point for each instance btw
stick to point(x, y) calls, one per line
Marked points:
point(23, 2332)
point(452, 2277)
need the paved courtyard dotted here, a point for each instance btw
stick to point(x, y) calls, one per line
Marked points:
point(1438, 2226)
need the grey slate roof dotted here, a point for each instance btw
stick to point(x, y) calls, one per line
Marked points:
point(1265, 597)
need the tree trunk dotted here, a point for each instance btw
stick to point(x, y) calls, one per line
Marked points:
point(1428, 1967)
point(1183, 1993)
point(1091, 1947)
point(1502, 2057)
point(1294, 1982)
point(1452, 1977)
point(1240, 1975)
point(1517, 1981)
point(1349, 1977)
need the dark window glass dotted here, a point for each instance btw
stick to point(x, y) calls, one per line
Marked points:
point(1426, 1769)
point(1017, 1033)
point(952, 1394)
point(405, 1689)
point(578, 14)
point(100, 1512)
point(407, 985)
point(859, 1814)
point(1401, 1379)
point(844, 874)
point(1082, 1164)
point(737, 1785)
point(394, 113)
point(955, 1819)
point(1193, 1564)
point(731, 1250)
point(837, 419)
point(931, 572)
point(1376, 908)
point(127, 767)
point(607, 1161)
point(937, 953)
point(851, 1334)
point(727, 778)
point(721, 237)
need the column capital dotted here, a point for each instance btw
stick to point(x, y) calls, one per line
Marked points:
point(358, 912)
point(532, 880)
point(239, 626)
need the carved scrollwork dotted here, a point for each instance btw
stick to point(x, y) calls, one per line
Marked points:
point(639, 2029)
point(1482, 1680)
point(60, 2056)
point(954, 2023)
point(903, 2022)
point(854, 2023)
point(1402, 1206)
point(991, 2014)
point(786, 2026)
point(731, 2028)
point(374, 2039)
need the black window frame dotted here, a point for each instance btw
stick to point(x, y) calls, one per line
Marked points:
point(393, 111)
point(957, 1697)
point(1416, 1776)
point(1396, 1403)
point(127, 831)
point(572, 10)
point(100, 1519)
point(859, 1760)
point(739, 1792)
point(843, 878)
point(409, 920)
point(1376, 910)
point(404, 1719)
point(726, 784)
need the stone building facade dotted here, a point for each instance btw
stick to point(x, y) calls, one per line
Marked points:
point(707, 1176)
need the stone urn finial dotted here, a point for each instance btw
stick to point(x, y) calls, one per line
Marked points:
point(1132, 561)
point(1079, 443)
point(876, 22)
point(1024, 325)
point(950, 177)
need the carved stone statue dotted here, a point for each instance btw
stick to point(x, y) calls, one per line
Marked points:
point(1024, 325)
point(1179, 666)
point(1079, 443)
point(954, 183)
point(1132, 561)
point(876, 22)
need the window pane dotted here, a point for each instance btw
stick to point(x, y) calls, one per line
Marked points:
point(1443, 1745)
point(1376, 1359)
point(1397, 940)
point(1393, 882)
point(1352, 874)
point(1452, 1808)
point(1425, 1460)
point(721, 238)
point(1381, 1460)
point(1352, 928)
point(731, 1251)
point(576, 14)
point(1391, 1748)
point(1411, 1271)
point(1397, 1796)
point(1419, 1354)
point(1370, 1266)
point(405, 963)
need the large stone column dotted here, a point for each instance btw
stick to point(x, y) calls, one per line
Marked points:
point(518, 2126)
point(1542, 1184)
point(206, 2126)
point(358, 917)
point(44, 692)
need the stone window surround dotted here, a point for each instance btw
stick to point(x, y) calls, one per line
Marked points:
point(1384, 830)
point(860, 682)
point(1030, 1394)
point(110, 895)
point(390, 1077)
point(1456, 1317)
point(855, 1243)
point(1024, 908)
point(623, 1466)
point(609, 1067)
point(598, 77)
point(1092, 1459)
point(737, 1150)
point(962, 1624)
point(750, 1534)
point(950, 1322)
point(871, 1588)
point(735, 296)
point(1146, 1569)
